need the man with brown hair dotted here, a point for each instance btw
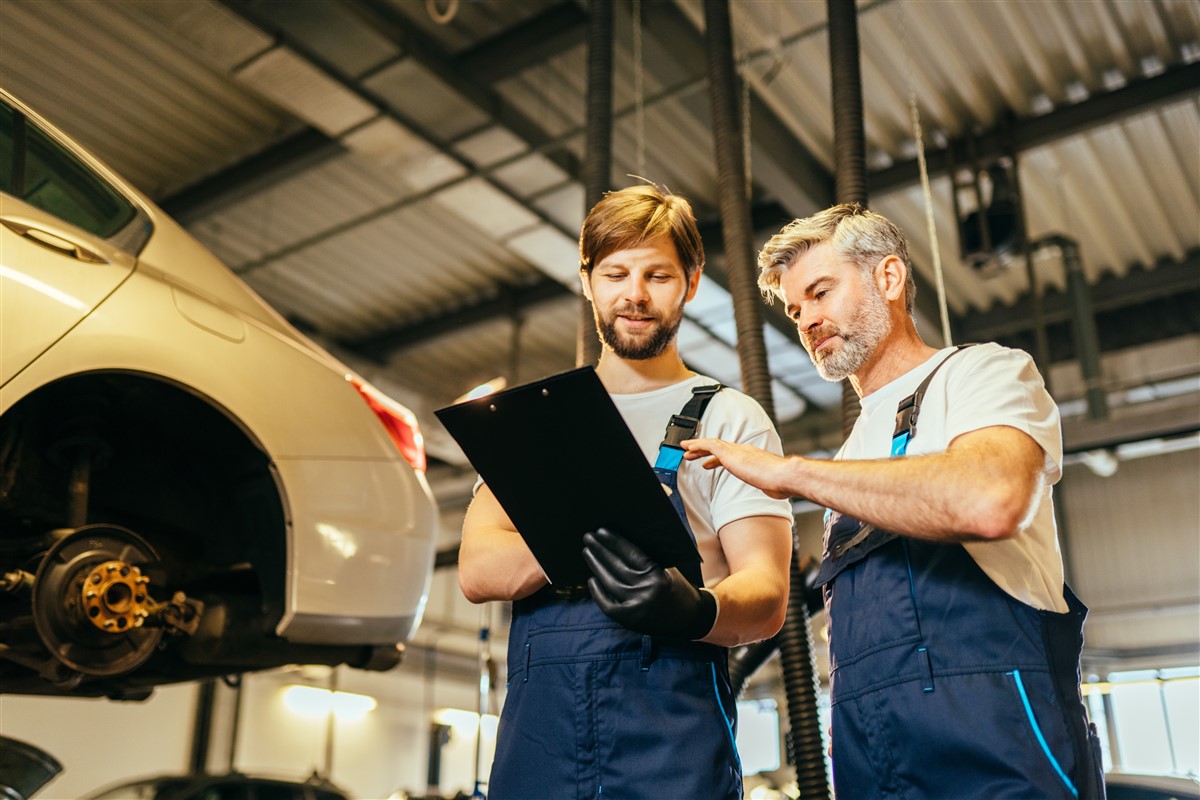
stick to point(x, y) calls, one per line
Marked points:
point(954, 643)
point(620, 688)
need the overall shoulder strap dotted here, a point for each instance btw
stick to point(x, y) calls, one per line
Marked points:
point(910, 407)
point(683, 426)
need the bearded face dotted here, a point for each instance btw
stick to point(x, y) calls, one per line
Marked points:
point(839, 351)
point(637, 332)
point(638, 294)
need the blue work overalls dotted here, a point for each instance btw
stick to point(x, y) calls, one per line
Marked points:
point(942, 685)
point(597, 711)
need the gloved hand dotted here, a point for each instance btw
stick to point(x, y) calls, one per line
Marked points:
point(644, 597)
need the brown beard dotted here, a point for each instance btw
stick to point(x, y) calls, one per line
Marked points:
point(641, 348)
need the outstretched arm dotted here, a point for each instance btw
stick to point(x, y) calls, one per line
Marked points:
point(494, 563)
point(984, 486)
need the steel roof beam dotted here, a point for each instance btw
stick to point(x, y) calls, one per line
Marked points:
point(527, 44)
point(290, 157)
point(1110, 293)
point(506, 301)
point(472, 86)
point(1029, 132)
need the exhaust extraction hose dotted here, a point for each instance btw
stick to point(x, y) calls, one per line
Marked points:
point(597, 163)
point(794, 640)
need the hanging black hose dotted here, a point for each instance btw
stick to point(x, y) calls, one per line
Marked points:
point(735, 206)
point(800, 681)
point(849, 142)
point(597, 163)
point(795, 643)
point(744, 661)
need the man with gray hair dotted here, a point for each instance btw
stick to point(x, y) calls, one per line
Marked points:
point(954, 642)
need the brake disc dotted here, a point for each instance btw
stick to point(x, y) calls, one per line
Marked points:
point(91, 598)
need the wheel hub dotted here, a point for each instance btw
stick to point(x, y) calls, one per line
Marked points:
point(91, 598)
point(114, 597)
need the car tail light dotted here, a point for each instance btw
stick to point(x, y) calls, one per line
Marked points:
point(399, 422)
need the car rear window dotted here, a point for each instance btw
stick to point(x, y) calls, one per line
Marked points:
point(46, 175)
point(7, 147)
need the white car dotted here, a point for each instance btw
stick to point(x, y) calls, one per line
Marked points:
point(188, 486)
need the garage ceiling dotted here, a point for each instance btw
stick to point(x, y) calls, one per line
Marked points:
point(409, 192)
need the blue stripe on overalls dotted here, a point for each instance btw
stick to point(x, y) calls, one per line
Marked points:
point(594, 710)
point(941, 684)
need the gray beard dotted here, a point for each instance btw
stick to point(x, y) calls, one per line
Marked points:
point(871, 325)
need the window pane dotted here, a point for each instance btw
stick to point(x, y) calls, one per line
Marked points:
point(1141, 728)
point(56, 182)
point(6, 148)
point(1182, 698)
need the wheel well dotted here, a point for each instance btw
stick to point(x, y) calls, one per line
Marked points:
point(165, 462)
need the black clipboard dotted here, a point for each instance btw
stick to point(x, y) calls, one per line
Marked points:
point(561, 461)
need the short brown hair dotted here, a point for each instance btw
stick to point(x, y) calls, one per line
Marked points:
point(860, 235)
point(628, 217)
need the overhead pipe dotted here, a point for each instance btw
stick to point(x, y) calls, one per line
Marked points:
point(597, 163)
point(849, 139)
point(736, 229)
point(470, 171)
point(1041, 355)
point(1083, 313)
point(794, 641)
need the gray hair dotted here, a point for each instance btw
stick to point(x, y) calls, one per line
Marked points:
point(863, 237)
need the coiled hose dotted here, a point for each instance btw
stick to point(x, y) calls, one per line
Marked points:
point(795, 641)
point(597, 163)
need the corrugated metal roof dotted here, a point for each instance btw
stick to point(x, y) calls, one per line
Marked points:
point(164, 93)
point(112, 76)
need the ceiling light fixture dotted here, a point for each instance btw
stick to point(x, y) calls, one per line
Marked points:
point(311, 701)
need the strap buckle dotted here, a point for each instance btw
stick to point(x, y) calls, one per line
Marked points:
point(679, 429)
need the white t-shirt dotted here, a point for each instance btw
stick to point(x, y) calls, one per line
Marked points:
point(982, 386)
point(712, 498)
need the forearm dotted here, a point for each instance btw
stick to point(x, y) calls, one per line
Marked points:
point(984, 486)
point(968, 495)
point(752, 600)
point(496, 564)
point(751, 606)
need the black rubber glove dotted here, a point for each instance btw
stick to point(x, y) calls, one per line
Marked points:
point(644, 597)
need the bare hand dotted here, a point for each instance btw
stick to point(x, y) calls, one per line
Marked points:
point(751, 464)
